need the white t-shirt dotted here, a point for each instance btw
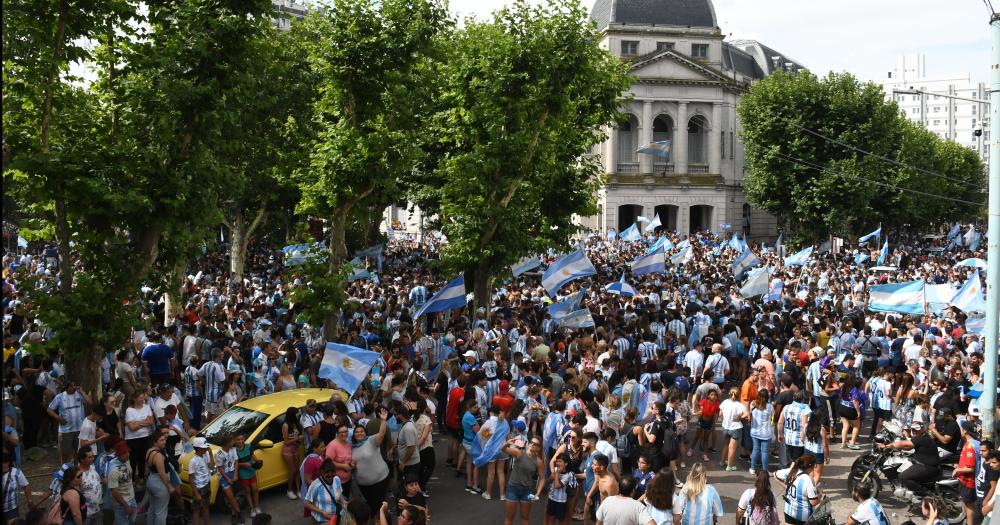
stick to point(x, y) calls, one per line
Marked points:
point(608, 450)
point(137, 414)
point(732, 411)
point(159, 404)
point(695, 361)
point(93, 491)
point(745, 498)
point(88, 432)
point(226, 461)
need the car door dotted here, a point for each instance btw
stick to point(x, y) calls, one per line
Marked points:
point(274, 471)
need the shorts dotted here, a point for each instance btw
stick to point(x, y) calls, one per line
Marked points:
point(222, 481)
point(289, 450)
point(736, 433)
point(249, 482)
point(848, 413)
point(206, 493)
point(706, 424)
point(68, 443)
point(455, 433)
point(793, 521)
point(556, 509)
point(884, 415)
point(213, 407)
point(966, 494)
point(468, 448)
point(820, 457)
point(517, 492)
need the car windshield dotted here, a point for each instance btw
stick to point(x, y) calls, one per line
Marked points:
point(236, 420)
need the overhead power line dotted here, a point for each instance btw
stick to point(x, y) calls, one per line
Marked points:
point(818, 167)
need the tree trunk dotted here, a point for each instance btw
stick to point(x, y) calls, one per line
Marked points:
point(173, 297)
point(338, 252)
point(83, 367)
point(481, 285)
point(241, 233)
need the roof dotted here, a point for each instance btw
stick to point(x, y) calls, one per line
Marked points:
point(682, 13)
point(735, 59)
point(767, 58)
point(280, 401)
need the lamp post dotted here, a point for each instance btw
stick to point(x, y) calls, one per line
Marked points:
point(988, 401)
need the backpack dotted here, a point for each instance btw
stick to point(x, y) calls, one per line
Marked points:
point(668, 445)
point(626, 443)
point(761, 516)
point(869, 348)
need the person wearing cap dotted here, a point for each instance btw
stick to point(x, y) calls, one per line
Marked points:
point(965, 471)
point(926, 464)
point(69, 408)
point(119, 477)
point(470, 363)
point(200, 475)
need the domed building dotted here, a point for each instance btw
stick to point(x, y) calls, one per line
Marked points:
point(688, 82)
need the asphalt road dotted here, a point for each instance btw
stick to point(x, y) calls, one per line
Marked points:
point(450, 504)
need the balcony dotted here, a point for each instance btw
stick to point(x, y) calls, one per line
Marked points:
point(628, 167)
point(659, 168)
point(698, 169)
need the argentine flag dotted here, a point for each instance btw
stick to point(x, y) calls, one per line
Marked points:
point(299, 253)
point(799, 258)
point(612, 235)
point(744, 262)
point(970, 297)
point(860, 258)
point(682, 256)
point(570, 304)
point(955, 230)
point(662, 242)
point(566, 269)
point(346, 365)
point(526, 264)
point(652, 263)
point(488, 442)
point(654, 224)
point(883, 254)
point(737, 244)
point(877, 234)
point(358, 274)
point(450, 297)
point(621, 288)
point(758, 282)
point(631, 234)
point(904, 298)
point(578, 319)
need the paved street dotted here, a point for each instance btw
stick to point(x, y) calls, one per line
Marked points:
point(450, 504)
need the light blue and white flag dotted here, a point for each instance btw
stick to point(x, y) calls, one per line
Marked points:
point(877, 234)
point(566, 269)
point(526, 264)
point(970, 235)
point(295, 254)
point(436, 369)
point(488, 442)
point(976, 240)
point(758, 283)
point(860, 258)
point(346, 365)
point(373, 252)
point(389, 232)
point(612, 235)
point(568, 305)
point(905, 298)
point(737, 244)
point(656, 245)
point(654, 224)
point(938, 296)
point(578, 319)
point(883, 254)
point(684, 244)
point(682, 256)
point(970, 298)
point(972, 262)
point(652, 263)
point(631, 233)
point(359, 274)
point(800, 258)
point(780, 241)
point(641, 219)
point(744, 262)
point(774, 294)
point(955, 231)
point(450, 297)
point(621, 288)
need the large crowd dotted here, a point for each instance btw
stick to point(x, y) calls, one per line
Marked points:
point(616, 423)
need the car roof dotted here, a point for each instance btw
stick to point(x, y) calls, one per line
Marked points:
point(278, 402)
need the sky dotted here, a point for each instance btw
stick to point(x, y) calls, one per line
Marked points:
point(863, 37)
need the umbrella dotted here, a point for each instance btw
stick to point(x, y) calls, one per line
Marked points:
point(974, 262)
point(621, 288)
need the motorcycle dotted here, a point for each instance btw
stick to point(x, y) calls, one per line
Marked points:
point(881, 467)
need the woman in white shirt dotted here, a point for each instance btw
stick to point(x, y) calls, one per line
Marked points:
point(139, 423)
point(659, 497)
point(733, 413)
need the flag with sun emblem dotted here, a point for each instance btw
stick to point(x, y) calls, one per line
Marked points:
point(489, 440)
point(566, 269)
point(346, 365)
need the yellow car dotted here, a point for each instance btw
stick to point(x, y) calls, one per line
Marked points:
point(260, 420)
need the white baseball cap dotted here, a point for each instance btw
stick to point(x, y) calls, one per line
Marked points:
point(199, 442)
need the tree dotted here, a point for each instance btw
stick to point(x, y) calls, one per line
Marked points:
point(826, 184)
point(524, 98)
point(368, 56)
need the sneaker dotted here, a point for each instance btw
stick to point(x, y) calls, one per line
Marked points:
point(292, 495)
point(690, 453)
point(477, 490)
point(753, 472)
point(722, 463)
point(468, 488)
point(704, 457)
point(731, 469)
point(486, 496)
point(853, 447)
point(503, 498)
point(253, 512)
point(257, 509)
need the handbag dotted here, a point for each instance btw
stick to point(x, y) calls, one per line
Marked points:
point(54, 516)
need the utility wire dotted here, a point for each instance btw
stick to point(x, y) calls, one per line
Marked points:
point(883, 184)
point(886, 159)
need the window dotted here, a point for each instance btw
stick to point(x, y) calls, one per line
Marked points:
point(937, 109)
point(973, 122)
point(630, 47)
point(732, 145)
point(937, 122)
point(722, 149)
point(236, 420)
point(699, 50)
point(664, 46)
point(915, 110)
point(914, 97)
point(973, 110)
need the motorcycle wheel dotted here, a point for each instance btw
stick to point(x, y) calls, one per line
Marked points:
point(858, 474)
point(953, 510)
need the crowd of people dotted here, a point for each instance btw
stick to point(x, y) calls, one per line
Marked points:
point(603, 422)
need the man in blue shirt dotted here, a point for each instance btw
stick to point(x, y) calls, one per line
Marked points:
point(157, 358)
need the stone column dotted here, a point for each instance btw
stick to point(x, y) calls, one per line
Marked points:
point(715, 141)
point(611, 156)
point(680, 145)
point(645, 137)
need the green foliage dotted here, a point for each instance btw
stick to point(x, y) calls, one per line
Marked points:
point(523, 99)
point(321, 293)
point(832, 189)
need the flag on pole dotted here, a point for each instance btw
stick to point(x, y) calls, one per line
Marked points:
point(757, 283)
point(641, 219)
point(744, 262)
point(970, 297)
point(737, 244)
point(652, 263)
point(578, 319)
point(631, 233)
point(295, 254)
point(359, 274)
point(612, 235)
point(774, 294)
point(877, 234)
point(526, 264)
point(568, 305)
point(566, 269)
point(883, 254)
point(682, 256)
point(799, 258)
point(654, 224)
point(450, 297)
point(955, 231)
point(346, 365)
point(905, 298)
point(661, 242)
point(969, 235)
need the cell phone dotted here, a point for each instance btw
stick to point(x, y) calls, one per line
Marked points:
point(519, 443)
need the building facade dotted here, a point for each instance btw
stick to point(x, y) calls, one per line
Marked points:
point(688, 83)
point(920, 99)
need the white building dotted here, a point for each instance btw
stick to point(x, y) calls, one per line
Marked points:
point(286, 10)
point(949, 118)
point(688, 83)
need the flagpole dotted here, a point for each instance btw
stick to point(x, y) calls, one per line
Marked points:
point(989, 398)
